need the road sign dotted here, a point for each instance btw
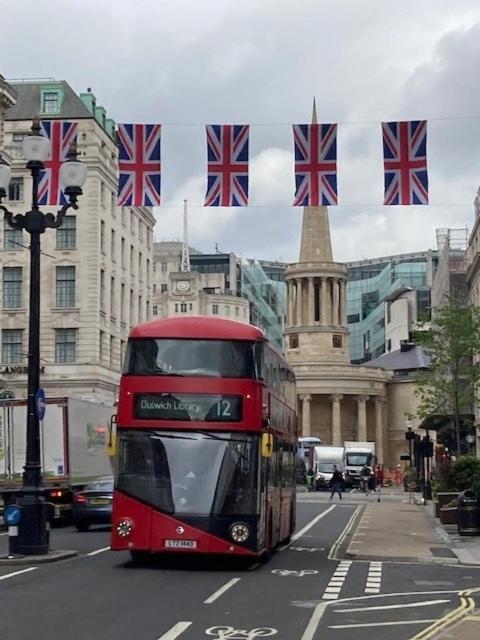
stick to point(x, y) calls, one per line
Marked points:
point(40, 404)
point(12, 514)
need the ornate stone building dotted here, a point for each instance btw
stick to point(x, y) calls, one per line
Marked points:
point(337, 401)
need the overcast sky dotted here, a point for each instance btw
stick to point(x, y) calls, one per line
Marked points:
point(186, 63)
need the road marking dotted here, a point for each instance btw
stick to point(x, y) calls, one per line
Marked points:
point(17, 573)
point(379, 624)
point(342, 536)
point(466, 606)
point(335, 585)
point(427, 603)
point(94, 553)
point(374, 578)
point(4, 534)
point(221, 591)
point(317, 615)
point(312, 523)
point(175, 631)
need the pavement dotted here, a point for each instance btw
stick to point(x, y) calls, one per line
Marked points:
point(407, 531)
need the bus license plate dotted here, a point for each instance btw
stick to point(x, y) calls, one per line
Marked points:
point(181, 544)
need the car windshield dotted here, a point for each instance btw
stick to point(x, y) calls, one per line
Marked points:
point(103, 484)
point(325, 468)
point(197, 473)
point(218, 358)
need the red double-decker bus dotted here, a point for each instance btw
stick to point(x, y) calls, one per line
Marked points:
point(206, 441)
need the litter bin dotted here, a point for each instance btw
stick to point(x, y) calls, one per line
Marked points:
point(468, 514)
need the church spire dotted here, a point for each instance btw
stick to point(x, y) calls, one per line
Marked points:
point(315, 245)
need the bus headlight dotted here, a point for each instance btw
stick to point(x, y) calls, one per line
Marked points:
point(239, 532)
point(124, 527)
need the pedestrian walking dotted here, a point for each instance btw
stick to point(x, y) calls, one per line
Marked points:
point(336, 482)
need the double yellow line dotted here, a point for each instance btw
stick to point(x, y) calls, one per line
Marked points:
point(467, 605)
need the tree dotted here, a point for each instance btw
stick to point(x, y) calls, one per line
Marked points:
point(452, 342)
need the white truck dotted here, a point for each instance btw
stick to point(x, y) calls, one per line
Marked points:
point(74, 438)
point(357, 455)
point(323, 460)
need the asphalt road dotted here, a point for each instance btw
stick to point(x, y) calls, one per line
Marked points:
point(300, 594)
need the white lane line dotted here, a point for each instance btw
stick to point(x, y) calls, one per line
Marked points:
point(312, 523)
point(221, 591)
point(94, 553)
point(17, 573)
point(4, 534)
point(381, 624)
point(175, 631)
point(427, 603)
point(317, 615)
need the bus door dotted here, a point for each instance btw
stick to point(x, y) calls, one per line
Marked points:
point(272, 489)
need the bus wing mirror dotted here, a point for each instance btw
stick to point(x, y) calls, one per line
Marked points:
point(267, 445)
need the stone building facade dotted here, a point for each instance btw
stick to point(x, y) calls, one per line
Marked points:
point(96, 269)
point(193, 292)
point(337, 401)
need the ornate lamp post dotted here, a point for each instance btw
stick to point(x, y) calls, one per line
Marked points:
point(32, 534)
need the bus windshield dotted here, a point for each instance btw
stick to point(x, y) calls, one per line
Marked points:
point(195, 473)
point(166, 356)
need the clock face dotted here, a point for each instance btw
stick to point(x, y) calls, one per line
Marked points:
point(183, 285)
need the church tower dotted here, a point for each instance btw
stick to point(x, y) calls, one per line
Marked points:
point(316, 324)
point(337, 401)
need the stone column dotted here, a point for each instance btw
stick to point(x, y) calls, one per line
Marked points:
point(306, 398)
point(379, 403)
point(336, 303)
point(299, 302)
point(311, 302)
point(336, 420)
point(362, 418)
point(290, 303)
point(323, 302)
point(343, 303)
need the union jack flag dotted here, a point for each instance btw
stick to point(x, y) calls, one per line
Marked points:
point(315, 164)
point(405, 162)
point(61, 135)
point(139, 165)
point(227, 165)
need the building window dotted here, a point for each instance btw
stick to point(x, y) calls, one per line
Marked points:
point(183, 307)
point(140, 309)
point(140, 265)
point(113, 254)
point(123, 257)
point(112, 298)
point(215, 309)
point(65, 345)
point(103, 346)
point(12, 346)
point(163, 288)
point(50, 102)
point(389, 345)
point(337, 341)
point(12, 238)
point(176, 308)
point(227, 310)
point(163, 267)
point(123, 344)
point(132, 222)
point(102, 290)
point(190, 306)
point(132, 310)
point(124, 216)
point(352, 319)
point(112, 350)
point(12, 287)
point(17, 138)
point(15, 189)
point(155, 310)
point(370, 301)
point(237, 311)
point(102, 236)
point(65, 287)
point(132, 260)
point(122, 303)
point(67, 233)
point(293, 341)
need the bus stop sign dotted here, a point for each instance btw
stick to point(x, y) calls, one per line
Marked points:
point(40, 404)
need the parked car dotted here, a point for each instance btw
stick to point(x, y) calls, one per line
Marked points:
point(93, 505)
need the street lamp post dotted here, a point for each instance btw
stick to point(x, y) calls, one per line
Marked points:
point(32, 532)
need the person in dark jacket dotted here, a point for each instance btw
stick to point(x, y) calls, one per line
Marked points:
point(336, 482)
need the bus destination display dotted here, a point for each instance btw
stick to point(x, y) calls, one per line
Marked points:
point(188, 407)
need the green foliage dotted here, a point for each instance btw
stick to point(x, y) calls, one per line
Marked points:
point(463, 474)
point(450, 385)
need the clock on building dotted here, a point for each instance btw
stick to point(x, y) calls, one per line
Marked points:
point(183, 285)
